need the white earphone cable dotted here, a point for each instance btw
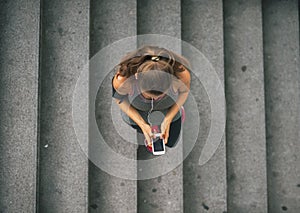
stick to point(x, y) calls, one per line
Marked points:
point(148, 117)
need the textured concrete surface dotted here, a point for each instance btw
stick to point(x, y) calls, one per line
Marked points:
point(164, 193)
point(111, 21)
point(62, 173)
point(65, 51)
point(246, 138)
point(19, 44)
point(204, 186)
point(282, 78)
point(161, 194)
point(159, 17)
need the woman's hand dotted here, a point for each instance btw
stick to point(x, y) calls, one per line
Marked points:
point(165, 128)
point(147, 131)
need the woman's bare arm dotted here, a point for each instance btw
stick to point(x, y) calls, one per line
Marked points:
point(118, 83)
point(183, 88)
point(123, 87)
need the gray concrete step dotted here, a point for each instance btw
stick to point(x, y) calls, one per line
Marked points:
point(19, 62)
point(110, 22)
point(45, 169)
point(282, 91)
point(163, 193)
point(245, 132)
point(204, 186)
point(63, 173)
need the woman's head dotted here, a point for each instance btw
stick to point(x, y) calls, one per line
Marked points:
point(154, 81)
point(153, 66)
point(154, 75)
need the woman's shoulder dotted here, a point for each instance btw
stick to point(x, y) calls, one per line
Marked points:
point(122, 84)
point(182, 72)
point(183, 79)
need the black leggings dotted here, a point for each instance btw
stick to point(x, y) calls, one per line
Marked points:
point(175, 128)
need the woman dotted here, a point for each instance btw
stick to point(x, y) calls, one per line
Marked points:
point(151, 79)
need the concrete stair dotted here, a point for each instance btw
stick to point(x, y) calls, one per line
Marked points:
point(19, 104)
point(45, 48)
point(205, 186)
point(110, 21)
point(281, 63)
point(63, 168)
point(246, 139)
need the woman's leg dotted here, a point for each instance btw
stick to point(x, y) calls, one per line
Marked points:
point(137, 128)
point(174, 133)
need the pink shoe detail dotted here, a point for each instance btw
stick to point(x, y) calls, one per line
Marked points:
point(149, 148)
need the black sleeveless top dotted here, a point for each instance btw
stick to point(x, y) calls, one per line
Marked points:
point(143, 105)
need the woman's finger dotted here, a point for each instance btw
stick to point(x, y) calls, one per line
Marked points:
point(166, 138)
point(148, 134)
point(163, 131)
point(148, 139)
point(151, 135)
point(162, 136)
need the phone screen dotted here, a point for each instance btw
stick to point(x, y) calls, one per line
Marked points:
point(158, 145)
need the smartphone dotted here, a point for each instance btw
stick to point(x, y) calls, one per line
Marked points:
point(158, 145)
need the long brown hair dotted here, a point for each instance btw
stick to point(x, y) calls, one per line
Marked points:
point(162, 63)
point(140, 60)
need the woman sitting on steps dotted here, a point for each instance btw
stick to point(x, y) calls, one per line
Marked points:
point(152, 79)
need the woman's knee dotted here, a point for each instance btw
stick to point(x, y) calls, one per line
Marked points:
point(173, 142)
